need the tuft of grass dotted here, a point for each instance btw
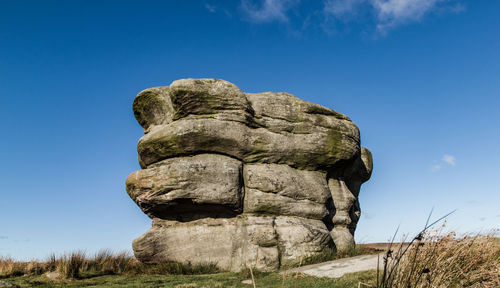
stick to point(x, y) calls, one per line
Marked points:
point(173, 268)
point(9, 267)
point(77, 265)
point(437, 259)
point(69, 266)
point(105, 262)
point(355, 250)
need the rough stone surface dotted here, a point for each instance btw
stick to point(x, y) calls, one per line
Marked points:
point(232, 243)
point(247, 282)
point(241, 179)
point(184, 186)
point(300, 237)
point(281, 190)
point(344, 187)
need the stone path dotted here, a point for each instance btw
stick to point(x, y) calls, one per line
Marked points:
point(337, 268)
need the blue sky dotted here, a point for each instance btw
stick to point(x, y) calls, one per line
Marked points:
point(421, 78)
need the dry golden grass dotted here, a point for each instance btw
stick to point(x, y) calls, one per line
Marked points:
point(78, 265)
point(444, 260)
point(430, 260)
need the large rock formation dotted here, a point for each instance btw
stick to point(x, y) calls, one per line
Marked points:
point(243, 179)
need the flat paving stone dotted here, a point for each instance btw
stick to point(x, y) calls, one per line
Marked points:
point(337, 268)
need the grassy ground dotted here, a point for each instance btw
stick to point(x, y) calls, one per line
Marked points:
point(429, 260)
point(107, 269)
point(435, 259)
point(197, 281)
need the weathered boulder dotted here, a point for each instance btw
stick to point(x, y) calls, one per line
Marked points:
point(281, 190)
point(344, 186)
point(300, 237)
point(214, 116)
point(232, 243)
point(186, 186)
point(241, 179)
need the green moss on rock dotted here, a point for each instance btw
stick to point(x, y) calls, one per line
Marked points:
point(266, 209)
point(152, 107)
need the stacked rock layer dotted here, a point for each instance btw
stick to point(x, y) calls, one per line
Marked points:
point(242, 179)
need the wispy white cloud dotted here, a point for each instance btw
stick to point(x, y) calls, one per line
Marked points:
point(211, 8)
point(449, 159)
point(435, 167)
point(383, 14)
point(342, 8)
point(268, 10)
point(391, 13)
point(388, 14)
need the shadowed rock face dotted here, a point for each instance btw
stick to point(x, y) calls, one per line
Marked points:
point(243, 179)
